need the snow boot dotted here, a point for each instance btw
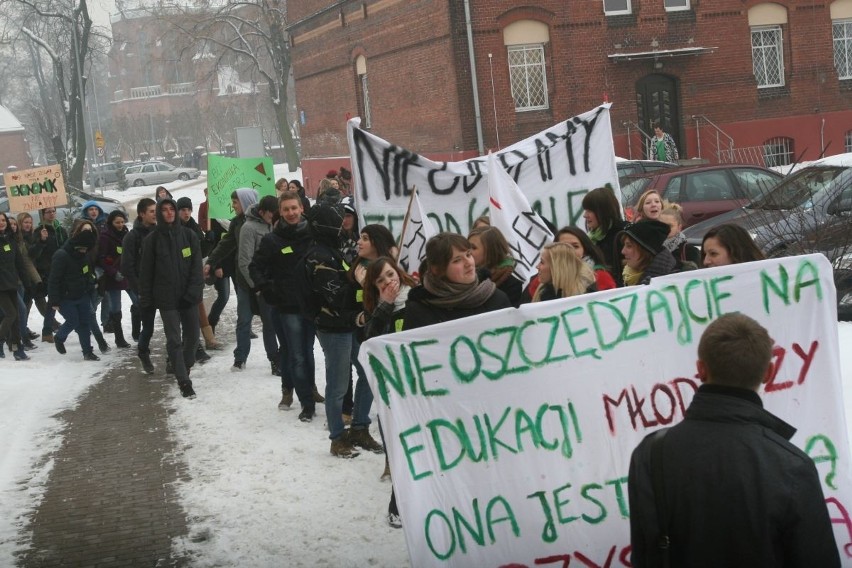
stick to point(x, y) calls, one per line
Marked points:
point(115, 318)
point(147, 366)
point(210, 341)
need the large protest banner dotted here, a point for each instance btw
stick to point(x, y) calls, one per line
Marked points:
point(554, 169)
point(510, 433)
point(36, 188)
point(224, 175)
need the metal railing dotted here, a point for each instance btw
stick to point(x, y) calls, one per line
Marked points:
point(715, 144)
point(645, 140)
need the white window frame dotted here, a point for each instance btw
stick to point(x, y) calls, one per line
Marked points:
point(629, 9)
point(847, 40)
point(778, 151)
point(365, 94)
point(543, 67)
point(681, 5)
point(848, 141)
point(779, 47)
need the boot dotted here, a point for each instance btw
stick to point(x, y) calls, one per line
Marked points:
point(102, 346)
point(107, 326)
point(317, 396)
point(135, 323)
point(2, 353)
point(47, 337)
point(115, 318)
point(210, 341)
point(18, 352)
point(201, 355)
point(147, 366)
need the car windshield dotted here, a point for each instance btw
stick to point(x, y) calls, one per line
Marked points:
point(799, 189)
point(632, 188)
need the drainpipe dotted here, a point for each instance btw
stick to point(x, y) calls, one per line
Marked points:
point(822, 138)
point(478, 117)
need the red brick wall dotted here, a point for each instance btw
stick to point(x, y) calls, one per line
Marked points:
point(420, 80)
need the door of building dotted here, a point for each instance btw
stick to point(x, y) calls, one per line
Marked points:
point(658, 98)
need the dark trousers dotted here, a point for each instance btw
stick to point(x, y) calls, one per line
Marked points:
point(78, 316)
point(182, 331)
point(9, 329)
point(146, 315)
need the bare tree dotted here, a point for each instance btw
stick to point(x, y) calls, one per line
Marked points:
point(249, 32)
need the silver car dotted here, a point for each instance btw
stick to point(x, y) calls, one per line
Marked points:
point(155, 173)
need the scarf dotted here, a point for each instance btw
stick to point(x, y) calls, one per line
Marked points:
point(502, 271)
point(671, 244)
point(631, 277)
point(453, 295)
point(597, 235)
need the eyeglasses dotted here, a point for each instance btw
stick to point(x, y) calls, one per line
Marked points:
point(46, 211)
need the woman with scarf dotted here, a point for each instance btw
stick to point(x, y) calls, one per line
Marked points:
point(645, 257)
point(493, 261)
point(561, 274)
point(602, 213)
point(687, 257)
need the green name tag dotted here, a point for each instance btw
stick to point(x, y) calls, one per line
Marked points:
point(7, 248)
point(119, 250)
point(187, 252)
point(398, 325)
point(287, 250)
point(359, 296)
point(86, 269)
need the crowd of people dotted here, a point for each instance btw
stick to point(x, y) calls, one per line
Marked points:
point(310, 274)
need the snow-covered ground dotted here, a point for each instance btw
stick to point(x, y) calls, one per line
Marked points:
point(263, 489)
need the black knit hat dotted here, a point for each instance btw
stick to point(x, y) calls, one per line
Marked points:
point(184, 203)
point(84, 239)
point(325, 219)
point(650, 234)
point(115, 213)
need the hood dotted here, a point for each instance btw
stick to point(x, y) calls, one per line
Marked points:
point(247, 197)
point(252, 213)
point(160, 220)
point(92, 203)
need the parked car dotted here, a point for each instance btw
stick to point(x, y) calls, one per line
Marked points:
point(809, 211)
point(703, 191)
point(102, 174)
point(630, 167)
point(154, 173)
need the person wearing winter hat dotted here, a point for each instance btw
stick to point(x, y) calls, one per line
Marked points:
point(349, 232)
point(644, 254)
point(70, 287)
point(258, 223)
point(109, 261)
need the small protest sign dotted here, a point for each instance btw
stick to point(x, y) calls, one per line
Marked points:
point(36, 188)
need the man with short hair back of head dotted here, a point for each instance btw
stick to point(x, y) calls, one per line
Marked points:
point(736, 492)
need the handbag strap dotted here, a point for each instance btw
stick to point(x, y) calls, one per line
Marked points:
point(663, 542)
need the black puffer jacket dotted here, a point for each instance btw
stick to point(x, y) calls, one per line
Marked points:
point(273, 266)
point(419, 312)
point(331, 285)
point(170, 274)
point(224, 256)
point(738, 493)
point(12, 268)
point(131, 254)
point(41, 252)
point(72, 275)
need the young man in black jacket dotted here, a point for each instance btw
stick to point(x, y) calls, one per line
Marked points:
point(142, 318)
point(170, 279)
point(737, 493)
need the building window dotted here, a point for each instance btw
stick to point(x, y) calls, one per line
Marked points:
point(841, 30)
point(616, 7)
point(675, 5)
point(767, 55)
point(365, 96)
point(778, 152)
point(848, 141)
point(528, 76)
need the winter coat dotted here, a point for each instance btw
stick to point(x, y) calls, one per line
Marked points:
point(131, 252)
point(72, 275)
point(662, 264)
point(274, 263)
point(611, 249)
point(224, 255)
point(420, 313)
point(206, 245)
point(12, 268)
point(737, 492)
point(331, 284)
point(170, 272)
point(387, 318)
point(110, 251)
point(252, 231)
point(41, 252)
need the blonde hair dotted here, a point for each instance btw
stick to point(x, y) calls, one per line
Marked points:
point(569, 275)
point(640, 205)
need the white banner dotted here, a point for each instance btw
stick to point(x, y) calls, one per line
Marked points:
point(416, 232)
point(511, 213)
point(510, 433)
point(554, 169)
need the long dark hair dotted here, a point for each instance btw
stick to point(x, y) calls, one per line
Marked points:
point(602, 202)
point(371, 291)
point(590, 249)
point(737, 242)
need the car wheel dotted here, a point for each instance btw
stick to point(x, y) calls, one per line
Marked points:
point(139, 183)
point(183, 177)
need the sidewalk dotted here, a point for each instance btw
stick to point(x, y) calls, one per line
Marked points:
point(110, 498)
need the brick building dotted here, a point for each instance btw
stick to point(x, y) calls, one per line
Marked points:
point(14, 149)
point(731, 80)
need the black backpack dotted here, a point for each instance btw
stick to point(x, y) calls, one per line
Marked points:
point(310, 302)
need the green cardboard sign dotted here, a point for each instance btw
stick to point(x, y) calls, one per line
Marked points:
point(224, 175)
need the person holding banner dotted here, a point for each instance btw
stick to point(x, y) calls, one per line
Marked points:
point(562, 275)
point(50, 235)
point(493, 260)
point(603, 213)
point(645, 256)
point(733, 490)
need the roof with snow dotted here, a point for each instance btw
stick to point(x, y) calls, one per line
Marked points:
point(8, 122)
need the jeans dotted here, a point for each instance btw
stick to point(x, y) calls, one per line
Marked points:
point(363, 395)
point(297, 334)
point(337, 349)
point(223, 292)
point(95, 330)
point(181, 329)
point(270, 339)
point(22, 313)
point(114, 302)
point(78, 317)
point(244, 317)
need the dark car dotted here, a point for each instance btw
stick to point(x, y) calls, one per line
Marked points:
point(702, 191)
point(809, 211)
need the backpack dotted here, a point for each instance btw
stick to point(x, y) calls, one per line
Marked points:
point(310, 302)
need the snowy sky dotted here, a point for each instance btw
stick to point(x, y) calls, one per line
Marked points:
point(251, 465)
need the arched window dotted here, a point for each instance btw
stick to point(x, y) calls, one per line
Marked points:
point(767, 43)
point(525, 41)
point(361, 71)
point(848, 141)
point(778, 151)
point(841, 33)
